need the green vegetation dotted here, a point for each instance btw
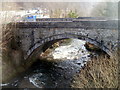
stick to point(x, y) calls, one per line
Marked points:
point(72, 14)
point(58, 13)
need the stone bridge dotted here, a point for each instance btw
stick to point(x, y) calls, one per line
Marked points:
point(33, 37)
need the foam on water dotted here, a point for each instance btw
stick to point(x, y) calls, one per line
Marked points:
point(5, 84)
point(73, 57)
point(75, 50)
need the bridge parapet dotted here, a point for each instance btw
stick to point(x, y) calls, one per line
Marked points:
point(103, 33)
point(86, 24)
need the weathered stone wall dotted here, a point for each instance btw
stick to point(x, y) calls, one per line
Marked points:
point(30, 38)
point(33, 34)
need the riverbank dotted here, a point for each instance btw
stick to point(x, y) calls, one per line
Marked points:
point(64, 70)
point(100, 72)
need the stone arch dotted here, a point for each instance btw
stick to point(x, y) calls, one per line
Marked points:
point(37, 47)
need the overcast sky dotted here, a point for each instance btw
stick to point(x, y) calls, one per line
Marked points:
point(59, 0)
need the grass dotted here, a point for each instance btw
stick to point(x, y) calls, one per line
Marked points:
point(98, 73)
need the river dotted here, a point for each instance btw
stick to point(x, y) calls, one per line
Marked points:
point(67, 61)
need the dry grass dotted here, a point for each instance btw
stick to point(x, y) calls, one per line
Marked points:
point(98, 73)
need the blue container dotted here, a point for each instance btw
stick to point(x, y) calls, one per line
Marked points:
point(33, 18)
point(30, 17)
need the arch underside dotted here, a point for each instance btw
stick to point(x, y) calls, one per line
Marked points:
point(64, 36)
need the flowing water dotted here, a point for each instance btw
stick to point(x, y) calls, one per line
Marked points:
point(68, 61)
